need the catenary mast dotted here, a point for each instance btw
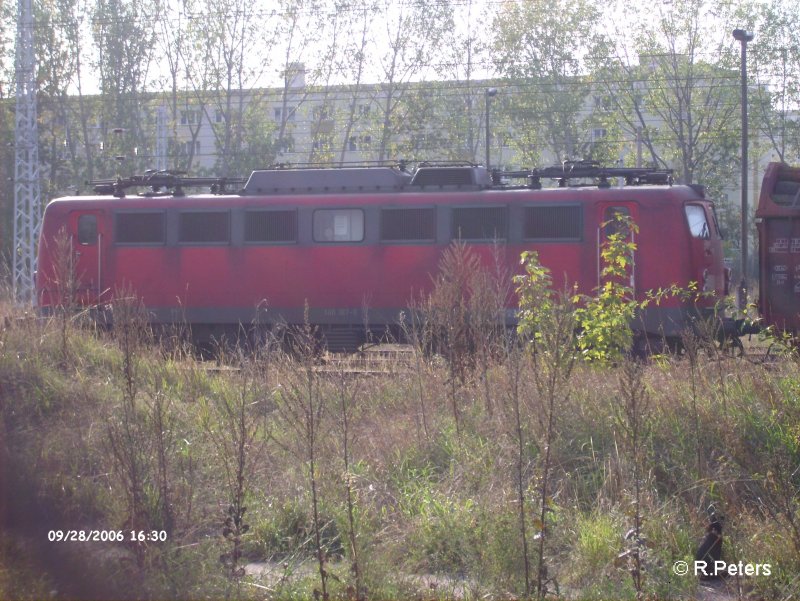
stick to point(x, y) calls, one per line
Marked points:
point(27, 195)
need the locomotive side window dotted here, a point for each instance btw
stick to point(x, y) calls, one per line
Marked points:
point(139, 228)
point(270, 226)
point(338, 225)
point(698, 224)
point(480, 223)
point(553, 223)
point(204, 227)
point(87, 230)
point(398, 225)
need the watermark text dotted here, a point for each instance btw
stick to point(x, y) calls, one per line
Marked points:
point(715, 569)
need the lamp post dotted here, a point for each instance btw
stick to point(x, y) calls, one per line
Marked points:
point(743, 37)
point(490, 93)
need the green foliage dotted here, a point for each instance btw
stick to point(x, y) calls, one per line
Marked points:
point(286, 531)
point(534, 42)
point(535, 296)
point(597, 540)
point(605, 319)
point(443, 537)
point(775, 56)
point(664, 72)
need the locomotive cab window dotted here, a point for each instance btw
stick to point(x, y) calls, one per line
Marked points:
point(204, 227)
point(272, 227)
point(408, 225)
point(698, 224)
point(561, 223)
point(480, 223)
point(87, 230)
point(139, 228)
point(338, 225)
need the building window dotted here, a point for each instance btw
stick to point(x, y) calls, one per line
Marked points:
point(270, 226)
point(139, 228)
point(480, 223)
point(279, 114)
point(204, 227)
point(321, 113)
point(338, 225)
point(398, 225)
point(192, 147)
point(356, 143)
point(219, 116)
point(553, 223)
point(189, 117)
point(322, 143)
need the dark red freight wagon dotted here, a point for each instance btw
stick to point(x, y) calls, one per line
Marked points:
point(778, 223)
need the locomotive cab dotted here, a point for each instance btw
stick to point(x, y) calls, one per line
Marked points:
point(72, 251)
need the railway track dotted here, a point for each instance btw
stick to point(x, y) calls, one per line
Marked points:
point(398, 359)
point(380, 359)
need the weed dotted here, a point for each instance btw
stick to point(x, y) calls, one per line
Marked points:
point(65, 282)
point(633, 423)
point(548, 319)
point(233, 426)
point(129, 437)
point(348, 392)
point(605, 319)
point(301, 407)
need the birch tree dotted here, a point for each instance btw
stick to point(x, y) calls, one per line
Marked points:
point(410, 37)
point(124, 42)
point(775, 53)
point(229, 49)
point(677, 88)
point(353, 67)
point(462, 92)
point(543, 46)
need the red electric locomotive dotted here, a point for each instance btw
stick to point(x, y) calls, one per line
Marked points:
point(355, 244)
point(778, 223)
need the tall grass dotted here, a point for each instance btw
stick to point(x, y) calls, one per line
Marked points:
point(579, 480)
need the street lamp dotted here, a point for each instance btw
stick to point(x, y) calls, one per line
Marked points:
point(490, 93)
point(743, 37)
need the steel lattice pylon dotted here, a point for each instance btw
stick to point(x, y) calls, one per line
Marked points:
point(27, 196)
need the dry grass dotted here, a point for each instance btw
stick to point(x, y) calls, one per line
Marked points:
point(440, 499)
